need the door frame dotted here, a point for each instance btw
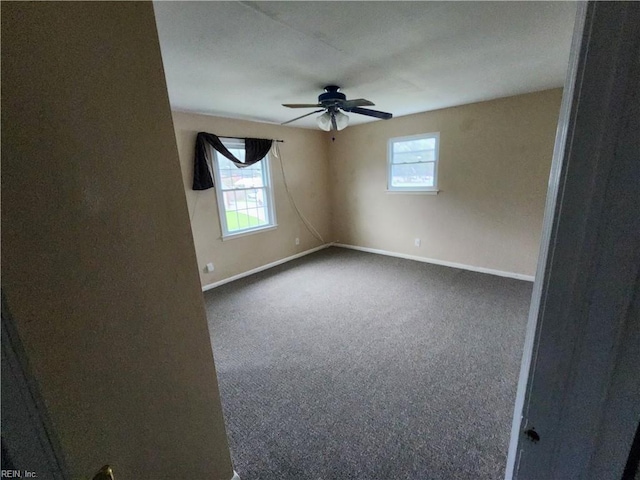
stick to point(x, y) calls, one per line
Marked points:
point(29, 440)
point(582, 301)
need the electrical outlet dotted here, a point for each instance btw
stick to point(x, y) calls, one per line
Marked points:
point(416, 242)
point(209, 268)
point(297, 241)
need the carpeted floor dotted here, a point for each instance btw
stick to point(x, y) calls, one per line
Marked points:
point(349, 365)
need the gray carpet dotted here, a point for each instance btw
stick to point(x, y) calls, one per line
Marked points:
point(348, 365)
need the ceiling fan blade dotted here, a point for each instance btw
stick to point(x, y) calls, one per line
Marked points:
point(370, 113)
point(302, 116)
point(301, 105)
point(358, 102)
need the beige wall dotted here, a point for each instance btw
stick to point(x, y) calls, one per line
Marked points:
point(493, 171)
point(98, 260)
point(304, 155)
point(494, 165)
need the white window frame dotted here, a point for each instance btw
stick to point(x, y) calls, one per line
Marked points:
point(426, 190)
point(268, 197)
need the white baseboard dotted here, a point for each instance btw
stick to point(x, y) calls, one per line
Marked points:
point(490, 271)
point(235, 476)
point(264, 267)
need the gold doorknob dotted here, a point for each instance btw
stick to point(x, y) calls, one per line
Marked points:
point(105, 473)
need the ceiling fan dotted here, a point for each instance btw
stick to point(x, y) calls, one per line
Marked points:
point(333, 103)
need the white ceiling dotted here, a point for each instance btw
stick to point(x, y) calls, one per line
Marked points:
point(244, 59)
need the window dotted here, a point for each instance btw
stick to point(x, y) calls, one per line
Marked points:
point(245, 200)
point(413, 163)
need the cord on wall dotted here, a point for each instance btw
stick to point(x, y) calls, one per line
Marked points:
point(310, 227)
point(195, 205)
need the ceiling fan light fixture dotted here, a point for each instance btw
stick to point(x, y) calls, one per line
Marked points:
point(324, 121)
point(342, 120)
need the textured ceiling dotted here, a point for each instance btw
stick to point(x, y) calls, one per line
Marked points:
point(244, 59)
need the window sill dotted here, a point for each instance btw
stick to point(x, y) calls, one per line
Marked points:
point(244, 233)
point(414, 192)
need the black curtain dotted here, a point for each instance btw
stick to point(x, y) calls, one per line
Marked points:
point(255, 150)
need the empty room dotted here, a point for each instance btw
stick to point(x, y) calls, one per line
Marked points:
point(367, 274)
point(320, 240)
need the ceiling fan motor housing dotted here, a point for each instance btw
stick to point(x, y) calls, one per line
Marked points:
point(331, 96)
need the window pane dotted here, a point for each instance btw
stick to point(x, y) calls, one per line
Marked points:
point(414, 145)
point(228, 200)
point(232, 221)
point(255, 197)
point(413, 157)
point(243, 219)
point(263, 216)
point(237, 152)
point(249, 177)
point(227, 171)
point(234, 177)
point(413, 175)
point(252, 214)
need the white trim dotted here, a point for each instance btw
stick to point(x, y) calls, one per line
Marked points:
point(267, 181)
point(264, 267)
point(235, 476)
point(490, 271)
point(244, 233)
point(557, 177)
point(408, 138)
point(413, 192)
point(27, 429)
